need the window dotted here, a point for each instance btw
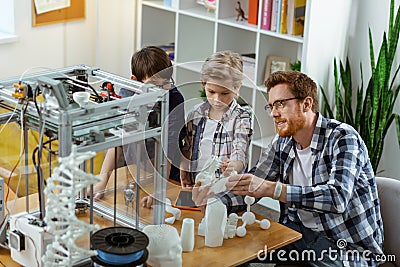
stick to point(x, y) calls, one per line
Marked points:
point(7, 21)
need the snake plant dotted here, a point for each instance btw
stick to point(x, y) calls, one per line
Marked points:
point(374, 106)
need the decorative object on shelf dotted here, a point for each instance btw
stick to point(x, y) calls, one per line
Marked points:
point(62, 187)
point(209, 4)
point(239, 12)
point(275, 63)
point(296, 65)
point(375, 104)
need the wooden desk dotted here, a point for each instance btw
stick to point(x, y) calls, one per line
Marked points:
point(234, 251)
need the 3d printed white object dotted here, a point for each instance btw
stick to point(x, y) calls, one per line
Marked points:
point(215, 220)
point(207, 176)
point(187, 235)
point(164, 247)
point(249, 218)
point(66, 181)
point(231, 225)
point(231, 229)
point(174, 211)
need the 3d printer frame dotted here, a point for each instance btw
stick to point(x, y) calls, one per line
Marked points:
point(90, 127)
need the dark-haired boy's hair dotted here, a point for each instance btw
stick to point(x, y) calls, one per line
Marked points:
point(149, 61)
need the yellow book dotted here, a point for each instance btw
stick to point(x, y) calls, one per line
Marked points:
point(296, 12)
point(283, 26)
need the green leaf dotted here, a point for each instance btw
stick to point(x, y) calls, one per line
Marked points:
point(327, 108)
point(397, 116)
point(345, 74)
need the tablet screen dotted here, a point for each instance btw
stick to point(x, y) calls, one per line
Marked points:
point(184, 201)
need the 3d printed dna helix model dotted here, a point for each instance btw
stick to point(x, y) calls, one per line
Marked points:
point(62, 187)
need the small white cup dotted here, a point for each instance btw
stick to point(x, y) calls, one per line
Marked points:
point(187, 235)
point(81, 98)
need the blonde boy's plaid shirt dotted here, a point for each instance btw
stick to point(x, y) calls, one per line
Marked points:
point(231, 138)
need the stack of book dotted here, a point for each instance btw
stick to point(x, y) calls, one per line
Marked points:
point(249, 65)
point(284, 16)
point(169, 49)
point(171, 3)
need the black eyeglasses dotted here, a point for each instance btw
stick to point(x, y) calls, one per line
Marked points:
point(278, 104)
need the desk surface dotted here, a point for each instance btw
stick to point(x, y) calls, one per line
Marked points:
point(233, 252)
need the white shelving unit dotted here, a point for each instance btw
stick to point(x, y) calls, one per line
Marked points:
point(198, 33)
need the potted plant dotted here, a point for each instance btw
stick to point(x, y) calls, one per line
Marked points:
point(373, 113)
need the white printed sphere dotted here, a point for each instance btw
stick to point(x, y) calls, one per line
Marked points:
point(265, 224)
point(249, 200)
point(248, 217)
point(233, 216)
point(241, 231)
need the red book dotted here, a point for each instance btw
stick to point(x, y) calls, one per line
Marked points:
point(266, 15)
point(253, 12)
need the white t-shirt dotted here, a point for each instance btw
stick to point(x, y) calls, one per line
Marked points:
point(206, 143)
point(302, 175)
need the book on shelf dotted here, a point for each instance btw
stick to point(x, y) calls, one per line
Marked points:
point(171, 3)
point(266, 15)
point(252, 14)
point(169, 49)
point(249, 65)
point(295, 16)
point(283, 23)
point(278, 16)
point(274, 13)
point(251, 57)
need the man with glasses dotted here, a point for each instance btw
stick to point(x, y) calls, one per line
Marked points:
point(320, 172)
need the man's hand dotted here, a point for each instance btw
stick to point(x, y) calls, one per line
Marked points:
point(250, 185)
point(186, 182)
point(200, 195)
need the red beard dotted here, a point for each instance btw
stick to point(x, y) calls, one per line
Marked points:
point(290, 126)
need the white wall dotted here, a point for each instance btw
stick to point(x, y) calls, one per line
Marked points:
point(374, 14)
point(104, 39)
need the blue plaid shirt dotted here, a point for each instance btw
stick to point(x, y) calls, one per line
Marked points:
point(343, 197)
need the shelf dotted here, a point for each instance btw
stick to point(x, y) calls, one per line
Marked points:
point(158, 4)
point(288, 37)
point(198, 12)
point(263, 142)
point(194, 66)
point(262, 88)
point(238, 24)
